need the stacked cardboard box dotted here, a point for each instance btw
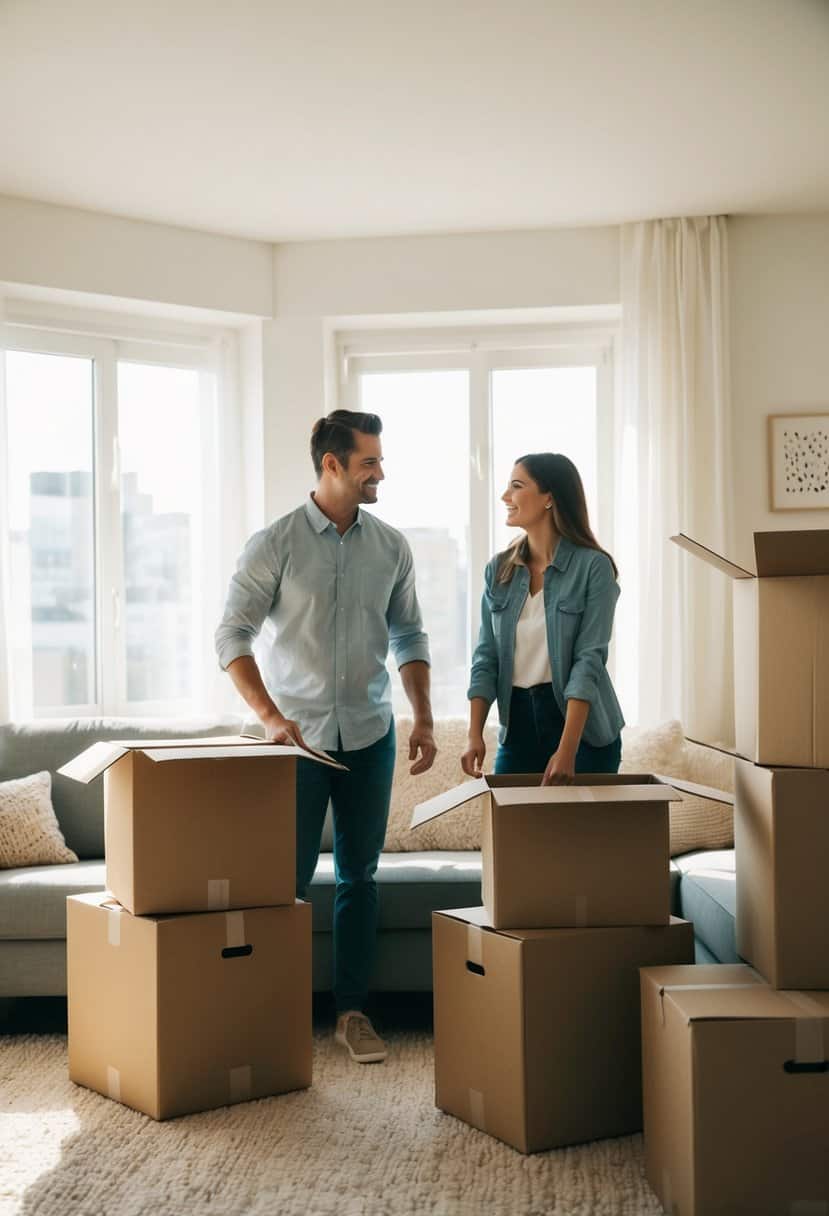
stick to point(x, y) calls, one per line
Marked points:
point(189, 981)
point(736, 1074)
point(537, 1037)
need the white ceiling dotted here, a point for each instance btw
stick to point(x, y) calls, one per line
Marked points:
point(297, 119)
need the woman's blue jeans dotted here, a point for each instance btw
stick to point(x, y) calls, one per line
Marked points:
point(534, 732)
point(360, 805)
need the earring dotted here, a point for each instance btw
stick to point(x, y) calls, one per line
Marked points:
point(548, 507)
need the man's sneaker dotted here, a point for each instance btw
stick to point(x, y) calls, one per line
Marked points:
point(356, 1033)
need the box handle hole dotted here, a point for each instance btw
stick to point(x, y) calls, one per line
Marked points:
point(237, 951)
point(797, 1066)
point(475, 968)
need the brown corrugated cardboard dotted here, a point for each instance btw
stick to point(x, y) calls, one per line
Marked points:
point(781, 836)
point(537, 1037)
point(177, 1014)
point(781, 647)
point(196, 825)
point(592, 853)
point(736, 1093)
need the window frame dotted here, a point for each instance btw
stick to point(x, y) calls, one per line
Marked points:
point(482, 351)
point(107, 339)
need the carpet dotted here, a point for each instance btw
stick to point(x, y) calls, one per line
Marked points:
point(364, 1141)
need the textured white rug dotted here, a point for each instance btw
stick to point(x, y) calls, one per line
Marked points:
point(364, 1141)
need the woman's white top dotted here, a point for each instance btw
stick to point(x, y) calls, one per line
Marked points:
point(531, 665)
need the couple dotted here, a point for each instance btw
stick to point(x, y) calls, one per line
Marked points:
point(334, 589)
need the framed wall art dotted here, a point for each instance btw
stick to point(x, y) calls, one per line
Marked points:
point(799, 462)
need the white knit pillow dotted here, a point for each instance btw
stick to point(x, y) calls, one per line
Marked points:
point(29, 832)
point(458, 829)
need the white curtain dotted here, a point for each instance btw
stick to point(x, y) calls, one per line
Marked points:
point(5, 615)
point(673, 452)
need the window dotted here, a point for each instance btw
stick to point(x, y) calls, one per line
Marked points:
point(457, 411)
point(110, 450)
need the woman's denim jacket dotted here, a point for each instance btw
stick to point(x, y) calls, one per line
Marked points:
point(580, 593)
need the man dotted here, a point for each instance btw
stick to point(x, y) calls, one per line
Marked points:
point(337, 587)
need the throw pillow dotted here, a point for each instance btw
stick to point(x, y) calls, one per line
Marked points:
point(29, 831)
point(457, 830)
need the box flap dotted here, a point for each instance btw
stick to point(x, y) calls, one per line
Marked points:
point(92, 762)
point(788, 554)
point(699, 791)
point(744, 1000)
point(235, 750)
point(553, 795)
point(441, 803)
point(709, 556)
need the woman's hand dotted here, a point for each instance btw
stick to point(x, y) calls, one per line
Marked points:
point(279, 729)
point(561, 767)
point(472, 760)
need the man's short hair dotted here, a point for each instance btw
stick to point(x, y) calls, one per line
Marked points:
point(335, 434)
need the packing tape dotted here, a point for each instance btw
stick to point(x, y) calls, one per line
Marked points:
point(113, 1083)
point(114, 926)
point(218, 894)
point(809, 1044)
point(235, 928)
point(241, 1083)
point(580, 915)
point(809, 1207)
point(477, 1109)
point(474, 945)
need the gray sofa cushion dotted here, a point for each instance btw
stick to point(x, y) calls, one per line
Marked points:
point(708, 897)
point(410, 887)
point(33, 899)
point(33, 746)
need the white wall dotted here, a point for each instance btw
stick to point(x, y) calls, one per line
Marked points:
point(779, 268)
point(319, 282)
point(102, 255)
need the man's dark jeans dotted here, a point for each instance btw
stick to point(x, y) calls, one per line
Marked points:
point(360, 803)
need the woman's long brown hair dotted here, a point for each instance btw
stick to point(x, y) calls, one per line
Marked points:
point(557, 475)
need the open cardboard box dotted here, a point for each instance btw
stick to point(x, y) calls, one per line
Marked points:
point(592, 853)
point(537, 1036)
point(736, 1093)
point(197, 825)
point(781, 647)
point(174, 1014)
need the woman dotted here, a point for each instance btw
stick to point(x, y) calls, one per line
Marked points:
point(546, 619)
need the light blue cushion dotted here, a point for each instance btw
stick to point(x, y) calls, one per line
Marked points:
point(708, 897)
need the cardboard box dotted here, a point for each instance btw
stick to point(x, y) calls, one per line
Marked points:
point(781, 647)
point(197, 825)
point(736, 1092)
point(176, 1014)
point(781, 836)
point(537, 1037)
point(557, 856)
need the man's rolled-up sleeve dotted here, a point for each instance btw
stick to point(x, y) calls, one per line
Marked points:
point(251, 594)
point(407, 638)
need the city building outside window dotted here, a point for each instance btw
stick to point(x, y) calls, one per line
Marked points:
point(110, 454)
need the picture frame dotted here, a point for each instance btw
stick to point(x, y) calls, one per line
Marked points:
point(798, 462)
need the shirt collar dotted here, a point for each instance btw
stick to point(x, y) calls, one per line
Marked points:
point(319, 520)
point(563, 553)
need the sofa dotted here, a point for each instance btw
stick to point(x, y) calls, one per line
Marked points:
point(414, 877)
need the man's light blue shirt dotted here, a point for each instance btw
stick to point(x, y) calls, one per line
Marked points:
point(329, 607)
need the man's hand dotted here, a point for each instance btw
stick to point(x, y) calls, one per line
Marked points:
point(283, 730)
point(422, 740)
point(472, 760)
point(561, 767)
